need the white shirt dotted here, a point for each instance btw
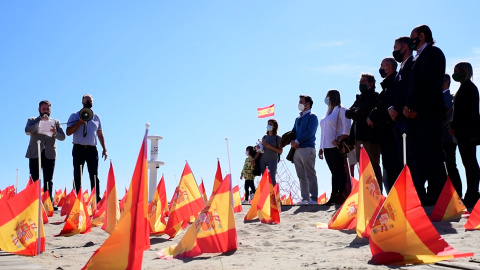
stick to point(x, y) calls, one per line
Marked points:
point(420, 50)
point(327, 126)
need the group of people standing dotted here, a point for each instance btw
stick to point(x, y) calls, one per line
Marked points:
point(85, 134)
point(416, 101)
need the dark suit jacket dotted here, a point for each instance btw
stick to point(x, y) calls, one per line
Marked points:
point(465, 110)
point(359, 112)
point(401, 84)
point(425, 91)
point(448, 101)
point(46, 142)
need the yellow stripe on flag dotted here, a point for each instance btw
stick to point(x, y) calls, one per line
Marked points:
point(266, 111)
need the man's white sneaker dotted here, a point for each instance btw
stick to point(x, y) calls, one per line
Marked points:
point(303, 202)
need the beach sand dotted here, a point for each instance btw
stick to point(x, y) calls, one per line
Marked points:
point(295, 243)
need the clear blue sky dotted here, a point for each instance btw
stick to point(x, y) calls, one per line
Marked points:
point(197, 71)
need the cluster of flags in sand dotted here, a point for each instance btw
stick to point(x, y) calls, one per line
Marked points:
point(398, 229)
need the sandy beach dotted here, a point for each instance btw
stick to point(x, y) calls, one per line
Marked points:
point(295, 243)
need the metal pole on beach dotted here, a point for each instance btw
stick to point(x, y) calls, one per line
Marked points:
point(404, 149)
point(39, 231)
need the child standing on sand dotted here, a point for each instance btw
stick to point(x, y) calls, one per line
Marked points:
point(247, 173)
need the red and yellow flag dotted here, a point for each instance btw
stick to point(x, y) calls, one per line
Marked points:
point(237, 203)
point(85, 196)
point(322, 199)
point(62, 198)
point(265, 203)
point(370, 197)
point(122, 201)
point(201, 187)
point(112, 208)
point(78, 221)
point(47, 204)
point(449, 205)
point(68, 203)
point(19, 223)
point(58, 196)
point(99, 216)
point(266, 111)
point(7, 193)
point(218, 178)
point(213, 231)
point(473, 222)
point(289, 200)
point(187, 202)
point(346, 216)
point(124, 248)
point(403, 234)
point(156, 209)
point(90, 203)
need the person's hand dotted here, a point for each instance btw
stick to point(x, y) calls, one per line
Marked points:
point(241, 177)
point(104, 154)
point(320, 154)
point(334, 142)
point(294, 144)
point(266, 144)
point(411, 114)
point(393, 114)
point(53, 130)
point(369, 122)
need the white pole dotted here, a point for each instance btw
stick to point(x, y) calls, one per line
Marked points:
point(39, 235)
point(228, 155)
point(404, 149)
point(16, 183)
point(95, 195)
point(81, 176)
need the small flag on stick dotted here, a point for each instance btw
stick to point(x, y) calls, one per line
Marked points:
point(266, 111)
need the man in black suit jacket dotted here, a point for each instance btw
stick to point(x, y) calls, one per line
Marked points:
point(425, 108)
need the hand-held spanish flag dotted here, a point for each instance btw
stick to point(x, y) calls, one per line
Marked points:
point(218, 178)
point(213, 231)
point(403, 234)
point(370, 197)
point(156, 209)
point(112, 208)
point(473, 222)
point(266, 111)
point(124, 248)
point(346, 216)
point(19, 223)
point(449, 205)
point(77, 220)
point(237, 205)
point(187, 202)
point(201, 187)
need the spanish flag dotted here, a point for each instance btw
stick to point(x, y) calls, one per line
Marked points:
point(289, 200)
point(346, 216)
point(58, 196)
point(322, 199)
point(68, 203)
point(7, 193)
point(187, 202)
point(47, 203)
point(449, 205)
point(202, 191)
point(213, 231)
point(370, 197)
point(403, 234)
point(473, 222)
point(112, 208)
point(124, 248)
point(237, 205)
point(62, 198)
point(19, 223)
point(218, 178)
point(99, 216)
point(77, 220)
point(90, 203)
point(156, 209)
point(265, 202)
point(85, 196)
point(266, 111)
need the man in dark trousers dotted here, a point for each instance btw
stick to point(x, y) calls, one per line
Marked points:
point(425, 107)
point(380, 117)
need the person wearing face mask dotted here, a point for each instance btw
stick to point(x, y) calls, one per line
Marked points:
point(271, 150)
point(247, 173)
point(380, 118)
point(48, 145)
point(85, 145)
point(425, 109)
point(465, 127)
point(334, 127)
point(361, 132)
point(305, 128)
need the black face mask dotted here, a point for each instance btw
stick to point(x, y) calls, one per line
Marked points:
point(414, 43)
point(88, 105)
point(382, 72)
point(397, 55)
point(363, 88)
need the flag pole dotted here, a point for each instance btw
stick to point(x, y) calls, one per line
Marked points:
point(39, 235)
point(95, 185)
point(404, 149)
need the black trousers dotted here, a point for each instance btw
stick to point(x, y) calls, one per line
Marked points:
point(468, 152)
point(88, 154)
point(48, 166)
point(450, 149)
point(249, 188)
point(336, 164)
point(392, 164)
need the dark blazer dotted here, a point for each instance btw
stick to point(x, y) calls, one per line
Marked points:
point(425, 92)
point(379, 114)
point(401, 85)
point(359, 112)
point(466, 120)
point(46, 142)
point(448, 101)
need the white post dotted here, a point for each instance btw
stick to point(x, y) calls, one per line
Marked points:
point(153, 165)
point(39, 235)
point(404, 149)
point(95, 195)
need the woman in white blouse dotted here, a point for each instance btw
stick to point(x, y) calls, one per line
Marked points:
point(334, 128)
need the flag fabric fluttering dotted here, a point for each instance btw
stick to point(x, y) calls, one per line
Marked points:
point(402, 233)
point(78, 221)
point(218, 178)
point(47, 204)
point(201, 187)
point(473, 222)
point(58, 196)
point(322, 199)
point(68, 203)
point(90, 203)
point(237, 202)
point(156, 209)
point(19, 223)
point(213, 231)
point(124, 248)
point(112, 208)
point(346, 216)
point(370, 198)
point(265, 203)
point(187, 203)
point(266, 111)
point(449, 205)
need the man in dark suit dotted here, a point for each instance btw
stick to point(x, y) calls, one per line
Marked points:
point(48, 145)
point(425, 107)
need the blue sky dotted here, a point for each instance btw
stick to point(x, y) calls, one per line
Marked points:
point(197, 71)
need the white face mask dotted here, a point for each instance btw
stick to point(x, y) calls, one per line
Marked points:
point(269, 128)
point(301, 107)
